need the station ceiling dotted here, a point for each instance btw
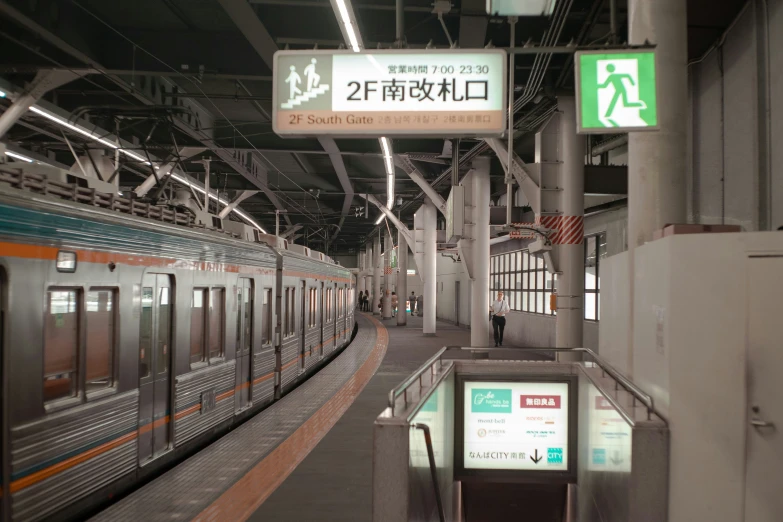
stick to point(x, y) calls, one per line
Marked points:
point(157, 60)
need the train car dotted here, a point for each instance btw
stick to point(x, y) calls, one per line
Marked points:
point(130, 338)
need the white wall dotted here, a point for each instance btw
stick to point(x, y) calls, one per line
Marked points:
point(689, 352)
point(726, 176)
point(449, 272)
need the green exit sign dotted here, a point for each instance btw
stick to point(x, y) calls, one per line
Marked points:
point(616, 91)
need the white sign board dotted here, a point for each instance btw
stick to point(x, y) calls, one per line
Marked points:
point(516, 426)
point(444, 93)
point(520, 7)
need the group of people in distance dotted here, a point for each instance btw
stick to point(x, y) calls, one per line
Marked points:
point(416, 303)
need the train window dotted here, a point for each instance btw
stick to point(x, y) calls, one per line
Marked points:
point(217, 306)
point(145, 340)
point(198, 325)
point(61, 344)
point(312, 308)
point(291, 311)
point(164, 331)
point(101, 307)
point(266, 330)
point(245, 314)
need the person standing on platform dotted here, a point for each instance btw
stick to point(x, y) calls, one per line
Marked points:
point(366, 301)
point(413, 303)
point(499, 310)
point(420, 305)
point(361, 301)
point(394, 303)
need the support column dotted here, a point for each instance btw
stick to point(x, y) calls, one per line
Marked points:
point(430, 216)
point(402, 278)
point(387, 290)
point(479, 294)
point(570, 257)
point(376, 275)
point(361, 280)
point(657, 160)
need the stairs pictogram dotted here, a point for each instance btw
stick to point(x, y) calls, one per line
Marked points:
point(299, 100)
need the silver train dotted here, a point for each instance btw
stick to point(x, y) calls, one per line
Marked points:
point(130, 340)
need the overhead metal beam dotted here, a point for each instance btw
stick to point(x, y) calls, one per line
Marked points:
point(527, 184)
point(244, 17)
point(235, 202)
point(473, 22)
point(44, 81)
point(407, 165)
point(391, 217)
point(336, 158)
point(291, 231)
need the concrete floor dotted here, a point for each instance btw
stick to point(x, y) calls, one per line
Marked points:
point(334, 482)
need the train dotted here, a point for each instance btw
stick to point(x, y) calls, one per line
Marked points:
point(133, 334)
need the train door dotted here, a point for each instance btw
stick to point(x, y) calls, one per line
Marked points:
point(244, 346)
point(155, 348)
point(303, 324)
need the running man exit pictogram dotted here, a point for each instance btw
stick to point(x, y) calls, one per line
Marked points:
point(616, 91)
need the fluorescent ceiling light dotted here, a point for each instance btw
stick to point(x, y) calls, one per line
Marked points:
point(2, 94)
point(380, 219)
point(345, 17)
point(64, 123)
point(87, 133)
point(18, 156)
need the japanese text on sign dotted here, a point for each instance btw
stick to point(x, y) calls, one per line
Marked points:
point(390, 93)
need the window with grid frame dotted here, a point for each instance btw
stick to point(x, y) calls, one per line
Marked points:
point(595, 251)
point(524, 281)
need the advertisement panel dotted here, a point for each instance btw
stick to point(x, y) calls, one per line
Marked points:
point(450, 93)
point(516, 426)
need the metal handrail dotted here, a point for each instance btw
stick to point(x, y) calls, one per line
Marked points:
point(621, 379)
point(400, 388)
point(433, 467)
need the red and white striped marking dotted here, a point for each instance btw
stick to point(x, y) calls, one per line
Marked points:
point(569, 230)
point(388, 270)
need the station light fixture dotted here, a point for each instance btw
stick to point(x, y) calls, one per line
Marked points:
point(17, 156)
point(346, 18)
point(2, 94)
point(381, 218)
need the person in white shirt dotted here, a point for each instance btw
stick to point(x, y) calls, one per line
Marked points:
point(499, 310)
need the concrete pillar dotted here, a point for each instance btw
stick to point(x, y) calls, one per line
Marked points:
point(479, 294)
point(430, 215)
point(376, 275)
point(387, 289)
point(570, 257)
point(657, 160)
point(402, 279)
point(361, 282)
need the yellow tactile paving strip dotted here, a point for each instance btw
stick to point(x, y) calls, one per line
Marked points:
point(247, 494)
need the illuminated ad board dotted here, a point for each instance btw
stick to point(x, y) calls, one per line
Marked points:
point(390, 93)
point(517, 426)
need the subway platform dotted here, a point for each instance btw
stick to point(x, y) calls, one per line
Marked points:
point(307, 457)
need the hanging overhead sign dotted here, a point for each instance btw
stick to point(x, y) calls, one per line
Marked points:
point(616, 91)
point(443, 93)
point(520, 7)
